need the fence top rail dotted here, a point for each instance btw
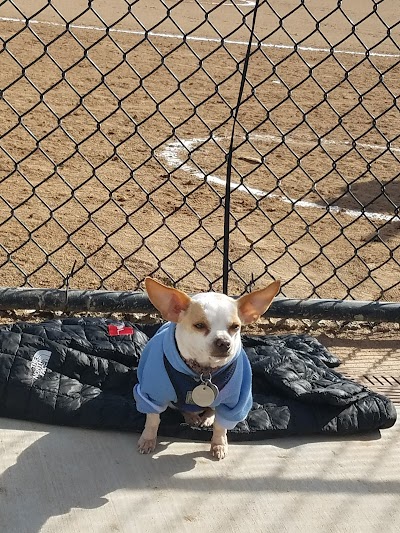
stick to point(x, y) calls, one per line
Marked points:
point(102, 301)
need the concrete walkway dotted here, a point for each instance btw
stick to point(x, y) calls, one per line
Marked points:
point(58, 479)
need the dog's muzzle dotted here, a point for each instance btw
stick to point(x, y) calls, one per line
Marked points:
point(221, 347)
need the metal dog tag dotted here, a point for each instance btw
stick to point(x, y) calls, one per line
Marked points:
point(205, 394)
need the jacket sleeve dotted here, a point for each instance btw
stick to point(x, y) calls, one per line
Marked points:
point(154, 391)
point(236, 406)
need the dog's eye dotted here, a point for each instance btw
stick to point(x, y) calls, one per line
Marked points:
point(235, 327)
point(200, 325)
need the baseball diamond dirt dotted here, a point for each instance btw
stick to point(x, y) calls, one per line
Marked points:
point(115, 121)
point(113, 145)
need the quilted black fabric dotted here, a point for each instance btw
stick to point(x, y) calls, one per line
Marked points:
point(74, 372)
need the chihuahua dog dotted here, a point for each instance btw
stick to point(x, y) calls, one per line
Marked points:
point(195, 362)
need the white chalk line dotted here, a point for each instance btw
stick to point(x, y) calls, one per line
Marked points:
point(289, 140)
point(175, 152)
point(201, 39)
point(245, 3)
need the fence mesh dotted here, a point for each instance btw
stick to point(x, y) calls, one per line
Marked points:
point(115, 127)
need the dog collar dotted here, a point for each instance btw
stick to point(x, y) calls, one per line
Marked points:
point(198, 369)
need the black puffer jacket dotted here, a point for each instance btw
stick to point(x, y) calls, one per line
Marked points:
point(81, 371)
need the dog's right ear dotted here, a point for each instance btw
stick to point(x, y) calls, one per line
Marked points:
point(170, 302)
point(251, 306)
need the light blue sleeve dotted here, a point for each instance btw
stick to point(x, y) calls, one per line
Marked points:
point(154, 391)
point(237, 405)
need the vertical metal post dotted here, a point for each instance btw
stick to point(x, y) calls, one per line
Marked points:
point(227, 205)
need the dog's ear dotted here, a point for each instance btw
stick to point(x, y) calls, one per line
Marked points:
point(170, 302)
point(252, 306)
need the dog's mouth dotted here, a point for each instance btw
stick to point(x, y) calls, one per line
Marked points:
point(219, 356)
point(219, 359)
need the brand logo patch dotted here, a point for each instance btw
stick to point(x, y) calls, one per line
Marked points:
point(39, 363)
point(115, 330)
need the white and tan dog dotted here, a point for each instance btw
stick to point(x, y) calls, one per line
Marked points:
point(196, 361)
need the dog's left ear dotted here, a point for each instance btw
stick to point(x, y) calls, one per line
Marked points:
point(170, 302)
point(252, 306)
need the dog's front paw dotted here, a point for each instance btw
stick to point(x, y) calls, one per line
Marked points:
point(202, 420)
point(219, 451)
point(146, 445)
point(207, 418)
point(192, 419)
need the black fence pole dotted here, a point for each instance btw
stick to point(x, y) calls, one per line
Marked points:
point(227, 198)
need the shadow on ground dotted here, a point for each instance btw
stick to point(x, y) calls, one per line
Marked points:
point(47, 475)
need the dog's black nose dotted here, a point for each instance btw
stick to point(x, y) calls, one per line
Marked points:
point(222, 344)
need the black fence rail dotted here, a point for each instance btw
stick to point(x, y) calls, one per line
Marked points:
point(137, 303)
point(116, 142)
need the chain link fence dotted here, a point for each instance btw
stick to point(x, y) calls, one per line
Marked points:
point(115, 129)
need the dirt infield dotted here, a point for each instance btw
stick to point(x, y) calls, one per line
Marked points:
point(113, 148)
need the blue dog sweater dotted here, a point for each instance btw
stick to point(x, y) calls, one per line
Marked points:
point(155, 392)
